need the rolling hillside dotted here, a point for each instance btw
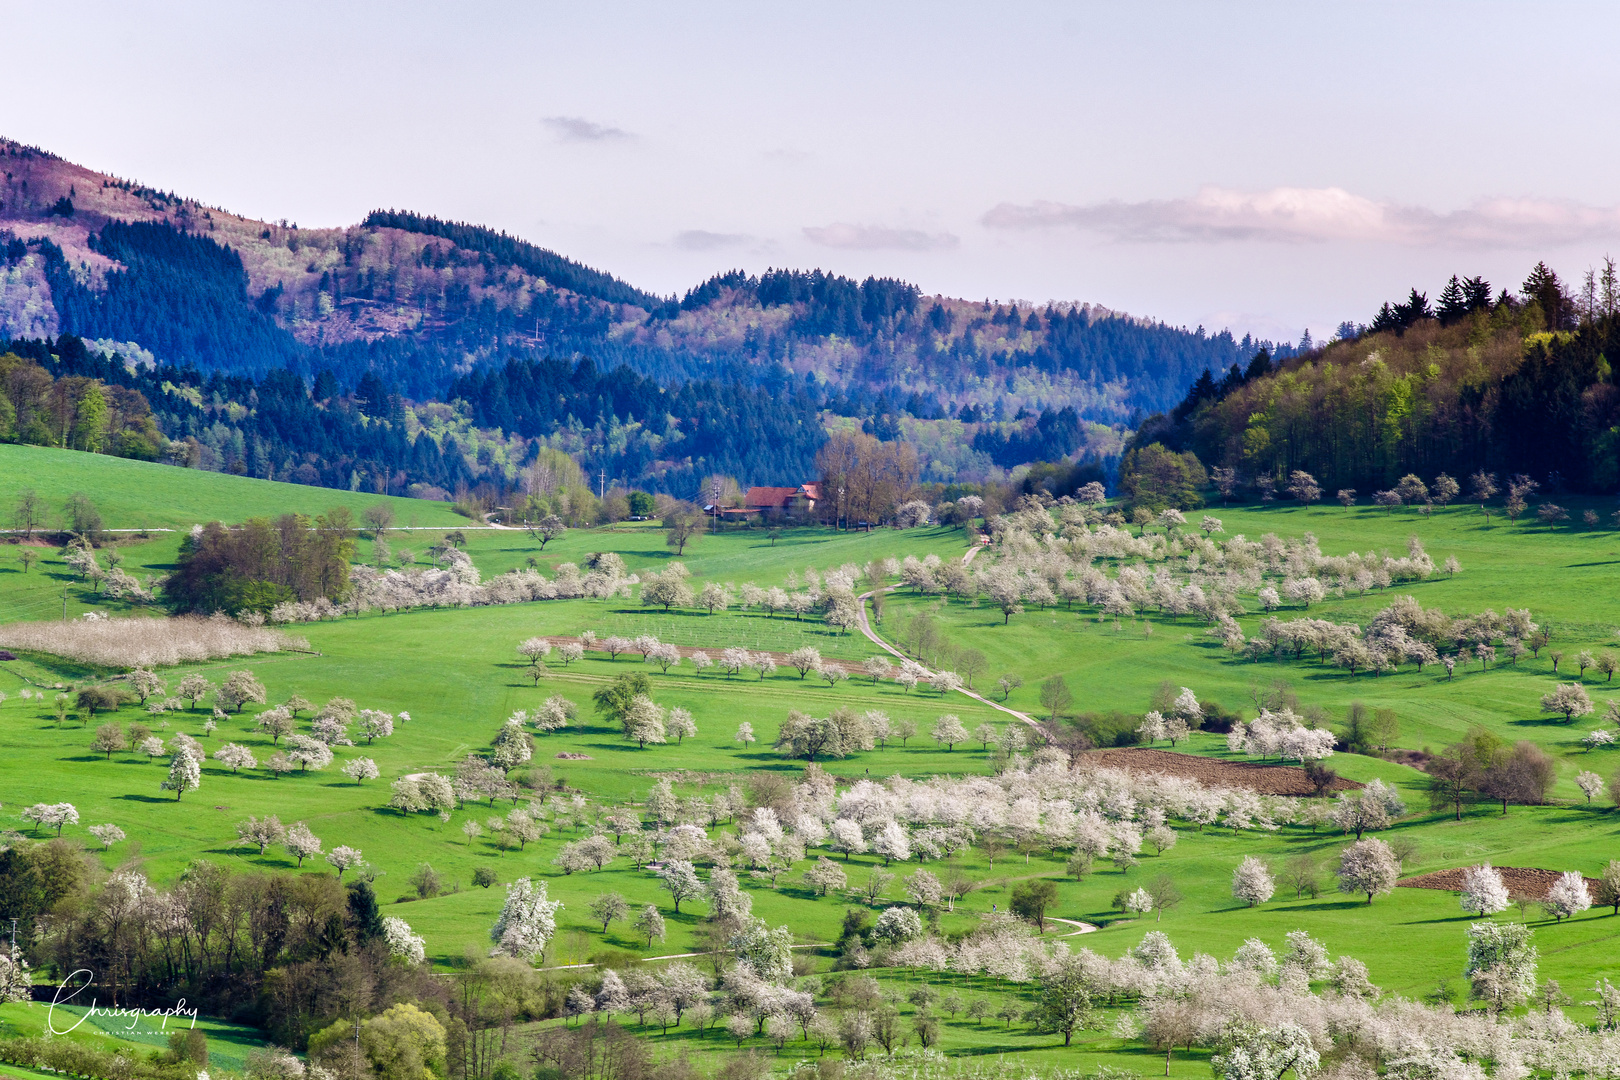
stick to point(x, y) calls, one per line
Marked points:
point(410, 298)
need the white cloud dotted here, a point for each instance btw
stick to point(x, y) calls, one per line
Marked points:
point(1317, 215)
point(703, 240)
point(877, 237)
point(579, 129)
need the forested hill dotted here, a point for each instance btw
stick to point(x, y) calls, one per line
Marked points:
point(413, 300)
point(1517, 386)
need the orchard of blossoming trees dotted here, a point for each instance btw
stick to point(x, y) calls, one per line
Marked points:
point(844, 848)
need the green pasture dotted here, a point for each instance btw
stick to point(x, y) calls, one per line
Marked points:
point(143, 494)
point(1566, 576)
point(456, 672)
point(228, 1044)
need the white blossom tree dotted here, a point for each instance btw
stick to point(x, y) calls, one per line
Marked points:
point(1368, 866)
point(361, 768)
point(300, 843)
point(892, 842)
point(1187, 708)
point(344, 858)
point(402, 943)
point(1591, 784)
point(765, 951)
point(261, 832)
point(375, 724)
point(236, 756)
point(651, 923)
point(185, 774)
point(527, 921)
point(897, 924)
point(1501, 963)
point(949, 730)
point(745, 734)
point(679, 877)
point(725, 896)
point(644, 721)
point(239, 688)
point(846, 836)
point(534, 649)
point(1483, 891)
point(556, 713)
point(309, 754)
point(805, 659)
point(825, 876)
point(1151, 729)
point(680, 724)
point(665, 656)
point(1252, 881)
point(1568, 698)
point(16, 983)
point(1568, 897)
point(193, 688)
point(1247, 1051)
point(108, 834)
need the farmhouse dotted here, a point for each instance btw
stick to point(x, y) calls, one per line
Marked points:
point(774, 502)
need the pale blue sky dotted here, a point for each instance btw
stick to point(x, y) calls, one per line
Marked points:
point(1261, 166)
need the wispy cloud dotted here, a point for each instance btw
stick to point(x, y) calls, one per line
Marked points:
point(786, 156)
point(878, 237)
point(579, 129)
point(1317, 215)
point(703, 240)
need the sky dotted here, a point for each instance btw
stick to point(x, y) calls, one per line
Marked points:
point(1262, 167)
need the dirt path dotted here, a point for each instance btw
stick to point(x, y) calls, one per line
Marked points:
point(866, 628)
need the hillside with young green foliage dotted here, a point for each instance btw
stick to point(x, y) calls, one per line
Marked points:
point(1515, 384)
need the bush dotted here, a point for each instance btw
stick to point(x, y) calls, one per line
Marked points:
point(1217, 718)
point(1108, 728)
point(94, 699)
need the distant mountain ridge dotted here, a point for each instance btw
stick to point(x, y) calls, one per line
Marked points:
point(419, 301)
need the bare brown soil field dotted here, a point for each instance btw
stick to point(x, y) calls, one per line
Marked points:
point(1520, 880)
point(1265, 779)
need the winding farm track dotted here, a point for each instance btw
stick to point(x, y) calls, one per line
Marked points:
point(866, 628)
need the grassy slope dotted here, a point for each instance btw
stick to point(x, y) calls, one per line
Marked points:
point(145, 495)
point(1564, 576)
point(136, 494)
point(455, 672)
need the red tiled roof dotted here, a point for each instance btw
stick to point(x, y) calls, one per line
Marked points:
point(769, 496)
point(812, 489)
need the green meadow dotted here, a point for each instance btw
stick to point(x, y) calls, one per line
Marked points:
point(456, 673)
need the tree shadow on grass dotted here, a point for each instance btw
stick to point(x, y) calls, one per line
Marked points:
point(1333, 905)
point(1542, 722)
point(146, 798)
